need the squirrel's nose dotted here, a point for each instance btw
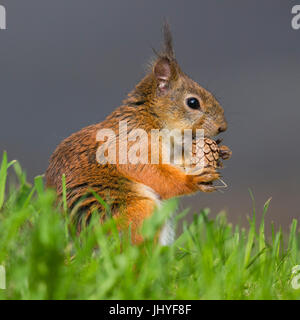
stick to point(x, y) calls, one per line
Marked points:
point(223, 127)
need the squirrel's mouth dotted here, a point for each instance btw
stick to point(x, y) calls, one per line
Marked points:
point(218, 141)
point(208, 134)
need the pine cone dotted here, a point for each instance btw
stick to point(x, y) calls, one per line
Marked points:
point(212, 153)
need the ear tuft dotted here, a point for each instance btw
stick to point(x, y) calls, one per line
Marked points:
point(168, 41)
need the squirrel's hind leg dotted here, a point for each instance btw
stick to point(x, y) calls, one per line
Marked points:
point(132, 217)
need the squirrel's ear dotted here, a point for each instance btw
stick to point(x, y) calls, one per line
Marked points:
point(162, 72)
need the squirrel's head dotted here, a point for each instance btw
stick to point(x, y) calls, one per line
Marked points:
point(175, 99)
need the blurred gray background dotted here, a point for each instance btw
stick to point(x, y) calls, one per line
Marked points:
point(67, 64)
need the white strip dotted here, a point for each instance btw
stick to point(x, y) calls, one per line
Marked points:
point(167, 235)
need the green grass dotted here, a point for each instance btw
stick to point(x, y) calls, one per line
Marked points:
point(45, 259)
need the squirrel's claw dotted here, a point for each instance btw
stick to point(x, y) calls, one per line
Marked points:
point(205, 179)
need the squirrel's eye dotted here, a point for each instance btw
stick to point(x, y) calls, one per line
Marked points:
point(193, 103)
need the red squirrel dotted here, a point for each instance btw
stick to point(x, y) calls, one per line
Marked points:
point(166, 98)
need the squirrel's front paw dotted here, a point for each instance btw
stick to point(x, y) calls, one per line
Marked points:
point(206, 187)
point(204, 181)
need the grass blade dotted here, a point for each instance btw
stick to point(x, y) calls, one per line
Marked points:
point(64, 193)
point(3, 177)
point(39, 185)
